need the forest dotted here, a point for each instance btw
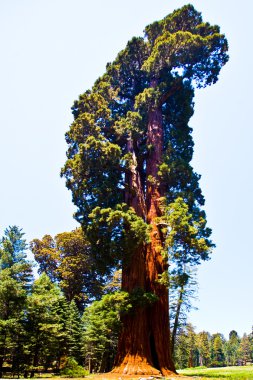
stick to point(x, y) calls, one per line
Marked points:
point(114, 293)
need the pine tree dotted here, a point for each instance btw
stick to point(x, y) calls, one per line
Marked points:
point(217, 350)
point(186, 352)
point(231, 348)
point(129, 156)
point(74, 332)
point(204, 348)
point(101, 321)
point(15, 283)
point(46, 319)
point(245, 350)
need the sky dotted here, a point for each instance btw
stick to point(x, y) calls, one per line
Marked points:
point(54, 50)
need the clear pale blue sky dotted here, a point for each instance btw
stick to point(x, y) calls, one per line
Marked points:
point(53, 50)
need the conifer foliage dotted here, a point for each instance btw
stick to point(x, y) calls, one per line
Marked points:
point(128, 167)
point(15, 283)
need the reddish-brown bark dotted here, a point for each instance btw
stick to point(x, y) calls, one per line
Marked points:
point(144, 344)
point(156, 265)
point(134, 194)
point(134, 354)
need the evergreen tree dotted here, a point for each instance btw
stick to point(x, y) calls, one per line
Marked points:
point(181, 350)
point(250, 336)
point(101, 329)
point(74, 332)
point(186, 351)
point(129, 156)
point(217, 350)
point(245, 350)
point(186, 247)
point(46, 324)
point(192, 345)
point(204, 348)
point(13, 257)
point(231, 348)
point(182, 289)
point(15, 282)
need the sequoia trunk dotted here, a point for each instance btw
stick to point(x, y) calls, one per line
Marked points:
point(144, 344)
point(134, 353)
point(156, 263)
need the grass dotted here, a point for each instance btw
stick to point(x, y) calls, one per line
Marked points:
point(236, 373)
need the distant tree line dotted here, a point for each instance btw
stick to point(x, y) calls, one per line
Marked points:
point(212, 350)
point(69, 317)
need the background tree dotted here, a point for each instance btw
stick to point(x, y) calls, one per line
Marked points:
point(231, 348)
point(182, 290)
point(186, 349)
point(245, 350)
point(66, 259)
point(204, 348)
point(250, 336)
point(101, 321)
point(46, 324)
point(186, 247)
point(15, 283)
point(181, 349)
point(74, 332)
point(129, 156)
point(217, 350)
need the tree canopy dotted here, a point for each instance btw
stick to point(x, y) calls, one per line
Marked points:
point(66, 259)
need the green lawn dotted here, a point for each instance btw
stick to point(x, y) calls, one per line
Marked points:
point(238, 373)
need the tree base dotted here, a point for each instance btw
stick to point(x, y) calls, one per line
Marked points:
point(141, 369)
point(129, 369)
point(138, 366)
point(135, 366)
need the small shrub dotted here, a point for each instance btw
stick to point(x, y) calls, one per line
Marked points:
point(72, 369)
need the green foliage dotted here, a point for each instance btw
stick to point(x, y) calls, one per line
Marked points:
point(158, 71)
point(204, 347)
point(46, 324)
point(186, 237)
point(182, 41)
point(182, 290)
point(140, 298)
point(187, 243)
point(217, 350)
point(231, 348)
point(74, 332)
point(66, 260)
point(186, 352)
point(114, 234)
point(245, 350)
point(13, 258)
point(72, 369)
point(212, 350)
point(101, 328)
point(15, 282)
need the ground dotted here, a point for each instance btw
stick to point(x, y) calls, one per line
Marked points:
point(112, 376)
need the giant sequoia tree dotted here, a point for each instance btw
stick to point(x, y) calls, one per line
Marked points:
point(137, 196)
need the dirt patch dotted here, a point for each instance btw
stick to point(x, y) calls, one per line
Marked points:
point(114, 376)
